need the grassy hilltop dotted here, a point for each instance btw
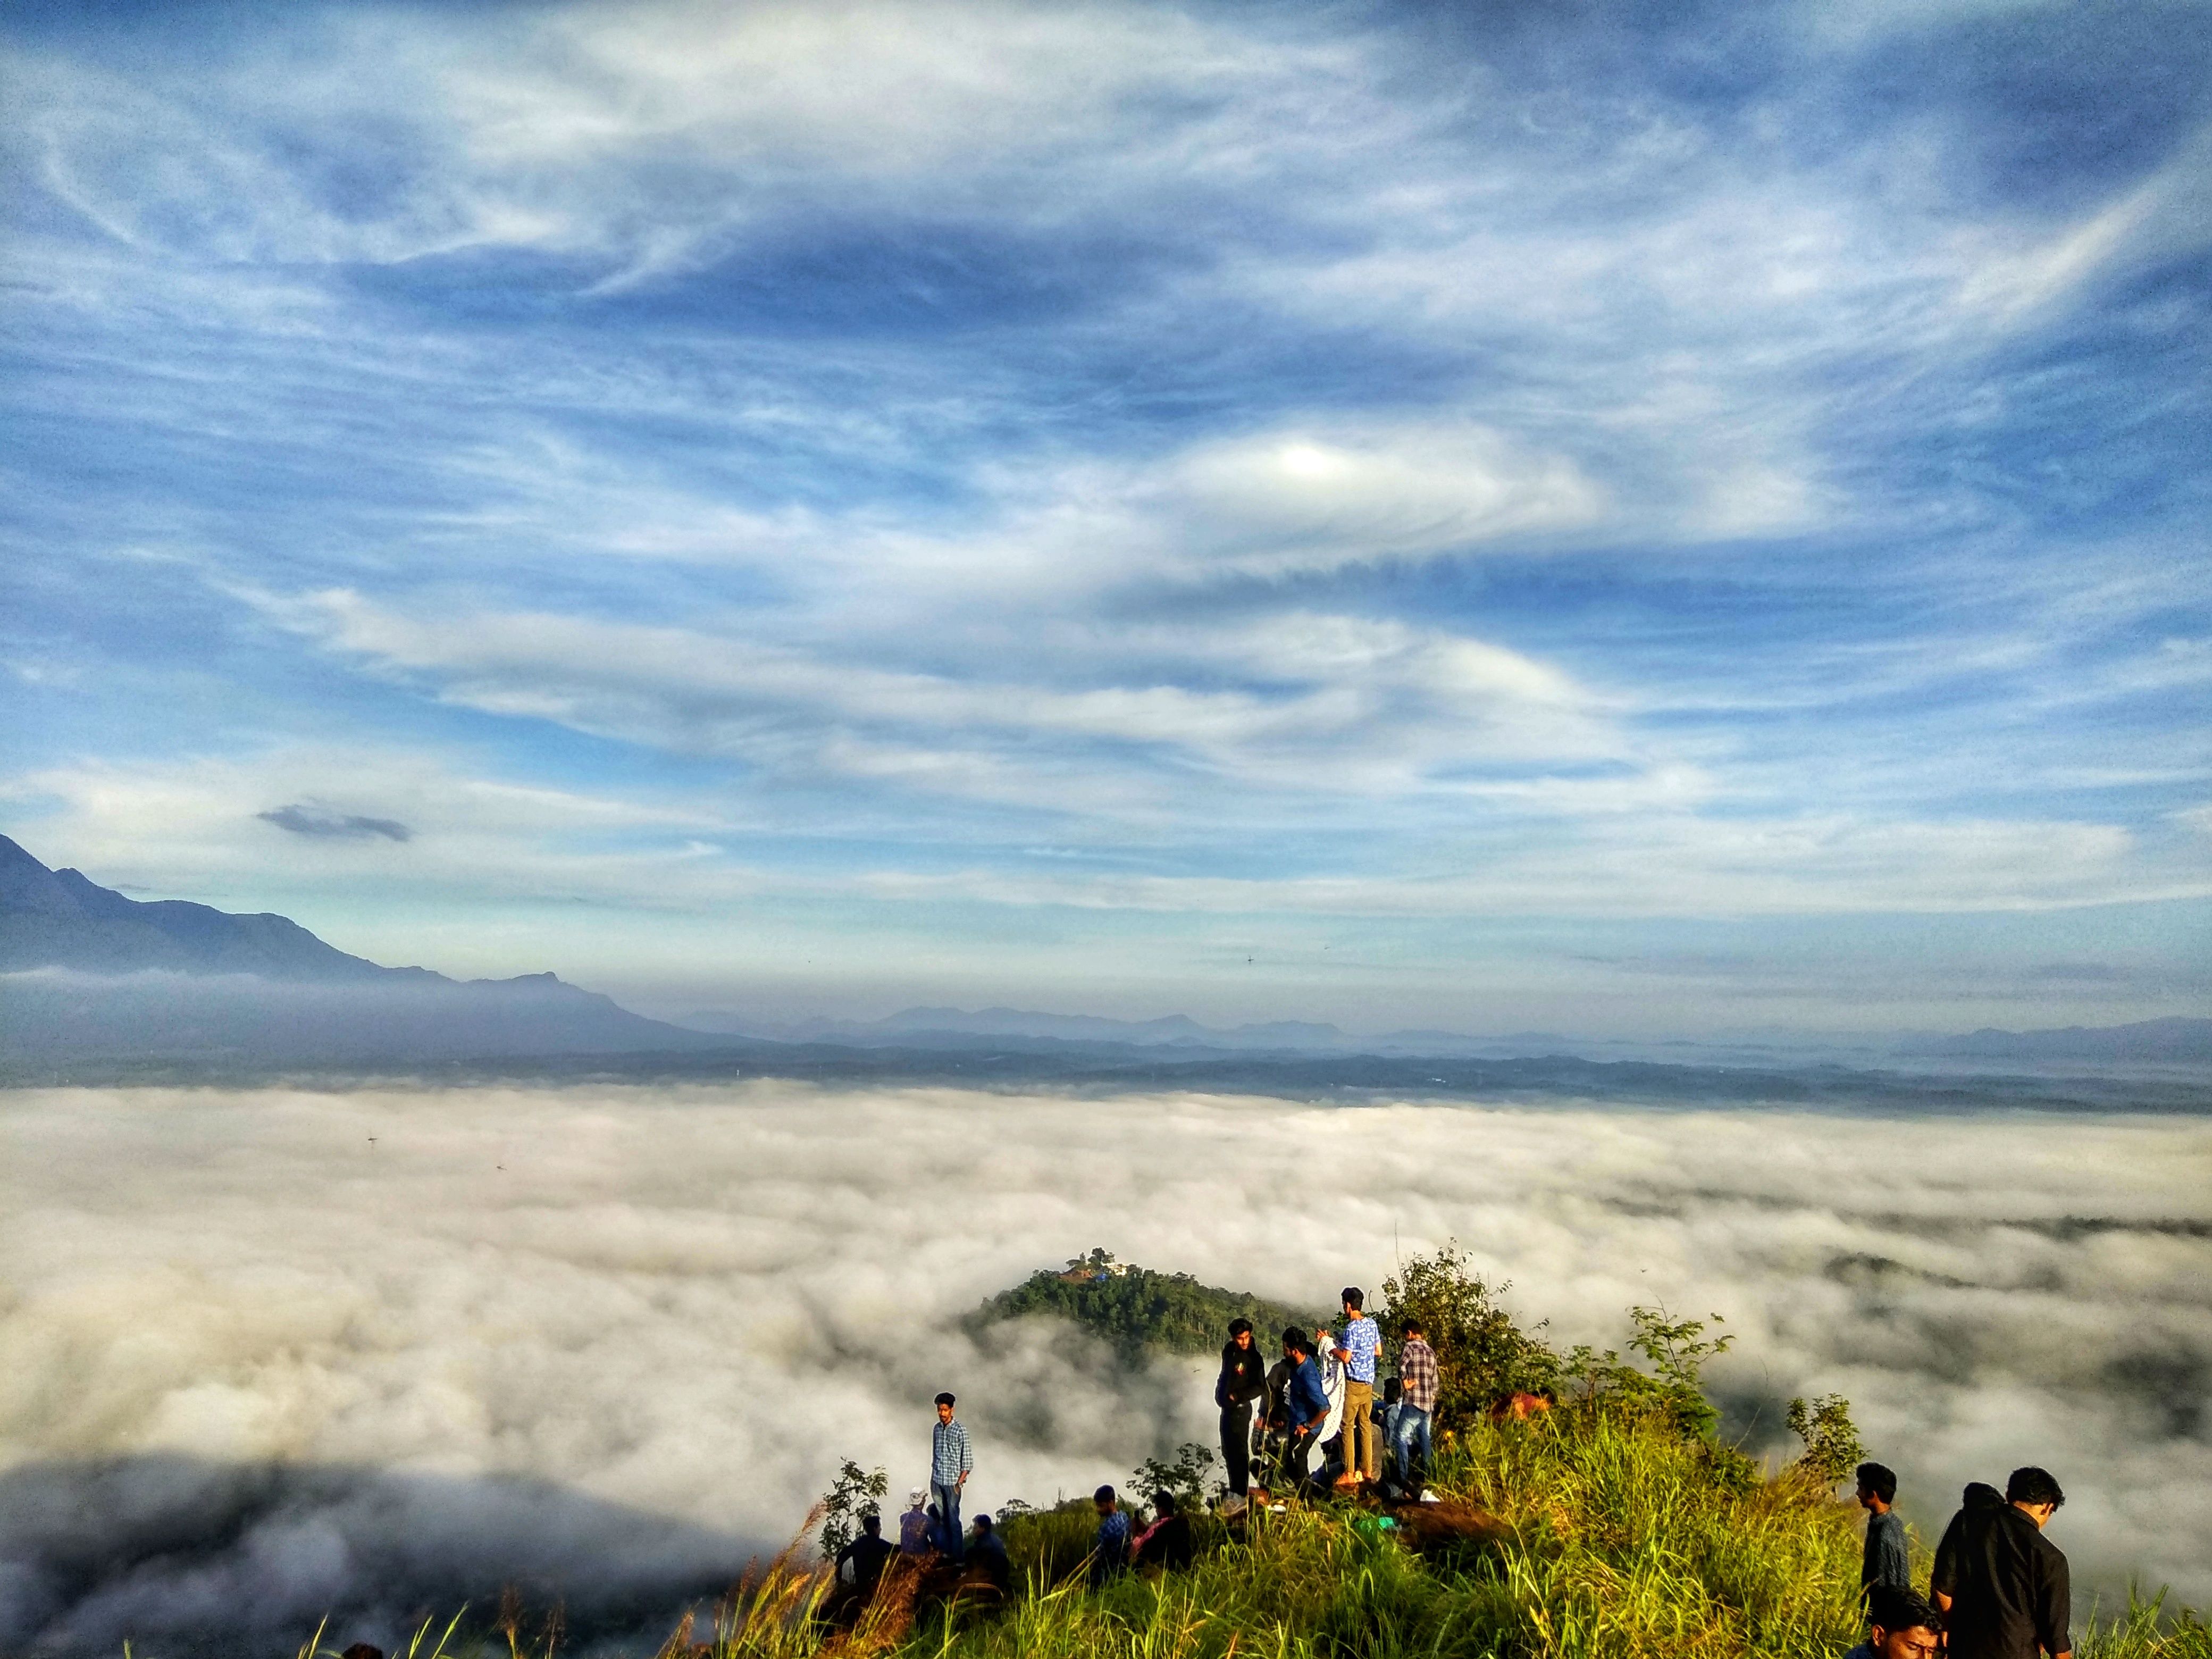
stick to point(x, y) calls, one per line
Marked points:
point(1615, 1525)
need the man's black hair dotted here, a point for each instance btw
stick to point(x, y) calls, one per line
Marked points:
point(1164, 1502)
point(1393, 1390)
point(1413, 1328)
point(2033, 1485)
point(982, 1524)
point(1237, 1328)
point(872, 1522)
point(1103, 1495)
point(1892, 1608)
point(1296, 1338)
point(1354, 1297)
point(1880, 1479)
point(944, 1400)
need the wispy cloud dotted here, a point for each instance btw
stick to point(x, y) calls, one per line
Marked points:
point(1559, 468)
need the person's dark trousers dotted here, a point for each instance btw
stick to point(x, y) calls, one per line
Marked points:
point(948, 1503)
point(1237, 1446)
point(1298, 1453)
point(1412, 1431)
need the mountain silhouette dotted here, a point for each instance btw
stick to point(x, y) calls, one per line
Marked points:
point(92, 974)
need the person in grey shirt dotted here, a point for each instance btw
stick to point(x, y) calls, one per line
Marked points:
point(1886, 1560)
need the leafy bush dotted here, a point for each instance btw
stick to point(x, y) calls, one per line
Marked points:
point(1482, 1356)
point(1185, 1479)
point(855, 1493)
point(1832, 1442)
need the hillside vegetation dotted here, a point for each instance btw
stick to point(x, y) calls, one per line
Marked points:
point(1136, 1309)
point(1613, 1525)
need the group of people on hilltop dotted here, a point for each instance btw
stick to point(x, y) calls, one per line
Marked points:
point(1272, 1417)
point(1999, 1589)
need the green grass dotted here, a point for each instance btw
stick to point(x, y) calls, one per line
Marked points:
point(1618, 1538)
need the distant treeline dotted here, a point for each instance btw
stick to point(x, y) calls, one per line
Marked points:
point(1136, 1309)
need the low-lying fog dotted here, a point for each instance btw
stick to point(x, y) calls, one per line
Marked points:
point(273, 1353)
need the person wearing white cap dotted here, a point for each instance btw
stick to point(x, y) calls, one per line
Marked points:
point(914, 1525)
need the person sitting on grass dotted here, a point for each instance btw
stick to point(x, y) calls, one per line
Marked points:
point(915, 1525)
point(867, 1555)
point(1885, 1560)
point(986, 1552)
point(1109, 1546)
point(1899, 1626)
point(1166, 1543)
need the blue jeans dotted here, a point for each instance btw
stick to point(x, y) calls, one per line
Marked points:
point(1412, 1424)
point(948, 1503)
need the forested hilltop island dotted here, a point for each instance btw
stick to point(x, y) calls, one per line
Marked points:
point(1135, 1309)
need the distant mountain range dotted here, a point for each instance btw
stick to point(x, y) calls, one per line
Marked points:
point(2177, 1041)
point(92, 974)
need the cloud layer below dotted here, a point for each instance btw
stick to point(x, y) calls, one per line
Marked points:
point(678, 1308)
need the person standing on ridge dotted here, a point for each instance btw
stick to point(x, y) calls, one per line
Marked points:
point(1305, 1405)
point(949, 1465)
point(1362, 1343)
point(1243, 1379)
point(1886, 1560)
point(2007, 1583)
point(1419, 1381)
point(1977, 1497)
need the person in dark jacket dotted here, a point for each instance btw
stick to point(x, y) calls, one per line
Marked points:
point(1305, 1404)
point(1243, 1380)
point(1886, 1560)
point(1979, 1495)
point(867, 1555)
point(2009, 1591)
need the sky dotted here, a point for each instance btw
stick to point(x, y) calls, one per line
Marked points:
point(608, 1342)
point(1619, 519)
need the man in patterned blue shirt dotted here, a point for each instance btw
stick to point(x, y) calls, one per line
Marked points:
point(1362, 1343)
point(949, 1463)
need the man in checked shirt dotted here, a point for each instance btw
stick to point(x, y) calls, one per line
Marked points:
point(1417, 1406)
point(949, 1463)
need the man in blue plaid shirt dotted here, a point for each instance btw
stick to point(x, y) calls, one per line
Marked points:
point(1361, 1346)
point(949, 1463)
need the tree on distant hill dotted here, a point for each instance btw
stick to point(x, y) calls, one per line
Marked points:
point(1137, 1310)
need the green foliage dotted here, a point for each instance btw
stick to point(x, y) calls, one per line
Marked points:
point(1676, 1350)
point(2147, 1633)
point(1482, 1356)
point(1185, 1479)
point(855, 1493)
point(1832, 1441)
point(1138, 1311)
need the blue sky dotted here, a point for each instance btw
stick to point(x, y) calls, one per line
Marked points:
point(1625, 519)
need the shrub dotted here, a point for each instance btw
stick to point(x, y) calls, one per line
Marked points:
point(1482, 1356)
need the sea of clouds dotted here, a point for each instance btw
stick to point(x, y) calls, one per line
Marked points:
point(277, 1353)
